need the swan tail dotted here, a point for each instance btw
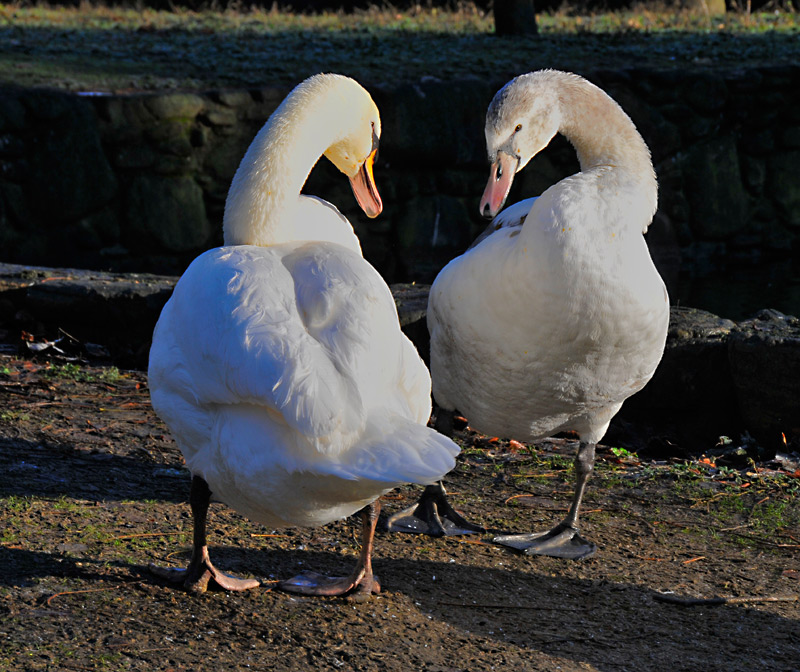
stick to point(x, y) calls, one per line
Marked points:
point(402, 451)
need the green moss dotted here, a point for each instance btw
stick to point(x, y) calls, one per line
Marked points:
point(12, 416)
point(68, 371)
point(71, 371)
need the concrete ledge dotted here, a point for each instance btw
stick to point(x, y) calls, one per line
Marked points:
point(717, 377)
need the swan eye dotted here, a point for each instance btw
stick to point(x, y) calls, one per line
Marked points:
point(518, 128)
point(499, 172)
point(375, 139)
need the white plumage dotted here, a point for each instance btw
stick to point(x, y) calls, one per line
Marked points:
point(278, 364)
point(284, 376)
point(557, 315)
point(549, 326)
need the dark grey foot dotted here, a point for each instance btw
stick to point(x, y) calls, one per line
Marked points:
point(432, 515)
point(560, 542)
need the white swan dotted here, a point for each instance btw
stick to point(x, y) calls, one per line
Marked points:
point(278, 364)
point(558, 314)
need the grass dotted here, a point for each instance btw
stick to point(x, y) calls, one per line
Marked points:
point(759, 504)
point(71, 371)
point(22, 521)
point(100, 48)
point(15, 504)
point(10, 417)
point(466, 19)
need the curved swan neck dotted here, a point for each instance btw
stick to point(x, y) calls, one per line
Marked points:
point(600, 131)
point(265, 190)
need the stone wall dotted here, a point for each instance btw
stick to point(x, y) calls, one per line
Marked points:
point(138, 182)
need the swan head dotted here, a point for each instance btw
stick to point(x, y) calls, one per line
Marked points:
point(521, 121)
point(356, 149)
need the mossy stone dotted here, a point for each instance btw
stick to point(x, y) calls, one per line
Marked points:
point(168, 211)
point(175, 105)
point(784, 186)
point(714, 189)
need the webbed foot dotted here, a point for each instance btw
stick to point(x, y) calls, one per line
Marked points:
point(360, 584)
point(562, 541)
point(200, 573)
point(358, 588)
point(433, 515)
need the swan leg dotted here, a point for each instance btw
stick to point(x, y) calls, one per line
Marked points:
point(360, 584)
point(200, 572)
point(432, 514)
point(563, 541)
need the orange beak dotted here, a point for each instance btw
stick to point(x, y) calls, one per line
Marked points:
point(364, 189)
point(501, 175)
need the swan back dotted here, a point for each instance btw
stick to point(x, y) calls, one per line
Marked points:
point(288, 385)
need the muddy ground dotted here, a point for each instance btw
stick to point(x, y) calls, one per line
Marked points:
point(92, 489)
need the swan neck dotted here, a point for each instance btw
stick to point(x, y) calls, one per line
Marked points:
point(266, 187)
point(600, 131)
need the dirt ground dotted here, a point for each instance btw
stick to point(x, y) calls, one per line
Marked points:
point(92, 489)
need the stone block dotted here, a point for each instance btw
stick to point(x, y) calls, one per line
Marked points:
point(706, 92)
point(765, 365)
point(754, 173)
point(540, 174)
point(690, 399)
point(105, 225)
point(422, 124)
point(233, 99)
point(662, 136)
point(743, 81)
point(168, 211)
point(11, 145)
point(48, 105)
point(180, 106)
point(15, 203)
point(12, 112)
point(784, 186)
point(791, 137)
point(431, 231)
point(72, 175)
point(758, 141)
point(172, 136)
point(714, 189)
point(221, 116)
point(134, 156)
point(223, 158)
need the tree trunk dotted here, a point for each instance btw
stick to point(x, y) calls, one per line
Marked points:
point(514, 17)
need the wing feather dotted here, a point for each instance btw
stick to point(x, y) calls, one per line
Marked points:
point(308, 331)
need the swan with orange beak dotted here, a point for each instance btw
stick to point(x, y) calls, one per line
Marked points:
point(278, 363)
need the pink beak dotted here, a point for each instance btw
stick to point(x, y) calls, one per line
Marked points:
point(501, 175)
point(364, 189)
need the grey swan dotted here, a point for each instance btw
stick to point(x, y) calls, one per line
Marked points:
point(557, 313)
